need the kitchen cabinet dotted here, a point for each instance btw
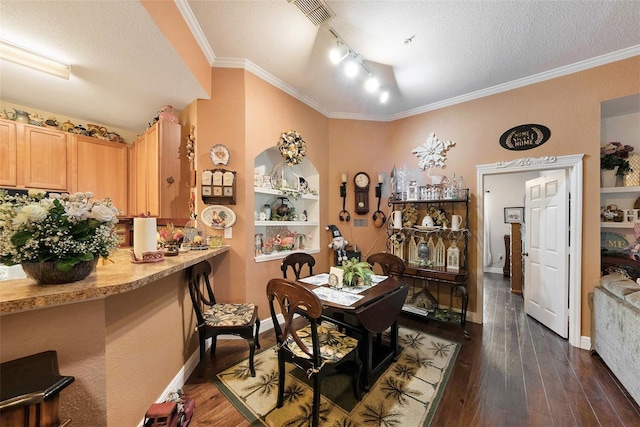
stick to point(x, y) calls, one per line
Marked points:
point(159, 173)
point(435, 284)
point(47, 158)
point(102, 168)
point(305, 226)
point(8, 154)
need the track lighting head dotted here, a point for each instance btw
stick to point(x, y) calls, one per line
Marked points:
point(351, 67)
point(338, 53)
point(371, 84)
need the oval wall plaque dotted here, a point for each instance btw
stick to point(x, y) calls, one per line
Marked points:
point(525, 137)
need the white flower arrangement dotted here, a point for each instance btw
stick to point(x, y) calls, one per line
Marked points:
point(60, 228)
point(292, 147)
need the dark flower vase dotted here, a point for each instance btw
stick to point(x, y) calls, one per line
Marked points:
point(46, 273)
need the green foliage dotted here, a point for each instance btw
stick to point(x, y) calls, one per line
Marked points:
point(353, 269)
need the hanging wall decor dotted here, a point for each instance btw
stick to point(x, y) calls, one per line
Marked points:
point(219, 186)
point(292, 147)
point(525, 137)
point(219, 154)
point(433, 153)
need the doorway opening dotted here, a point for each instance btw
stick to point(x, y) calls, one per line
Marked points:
point(573, 165)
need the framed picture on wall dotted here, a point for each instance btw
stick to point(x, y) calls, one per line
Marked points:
point(514, 214)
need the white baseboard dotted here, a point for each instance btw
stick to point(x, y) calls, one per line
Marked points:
point(585, 343)
point(493, 270)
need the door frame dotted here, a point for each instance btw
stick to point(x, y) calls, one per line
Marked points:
point(573, 165)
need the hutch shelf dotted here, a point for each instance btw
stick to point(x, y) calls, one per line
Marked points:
point(438, 290)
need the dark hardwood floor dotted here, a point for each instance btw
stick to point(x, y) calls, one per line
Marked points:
point(512, 372)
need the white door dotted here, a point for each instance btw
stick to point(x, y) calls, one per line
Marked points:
point(546, 252)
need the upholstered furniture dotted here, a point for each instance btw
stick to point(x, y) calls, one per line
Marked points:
point(616, 315)
point(311, 347)
point(296, 261)
point(221, 319)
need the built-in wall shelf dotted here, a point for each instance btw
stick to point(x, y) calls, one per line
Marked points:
point(282, 254)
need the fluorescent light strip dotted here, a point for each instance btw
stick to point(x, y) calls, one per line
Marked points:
point(27, 58)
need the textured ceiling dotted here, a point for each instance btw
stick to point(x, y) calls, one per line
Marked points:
point(124, 70)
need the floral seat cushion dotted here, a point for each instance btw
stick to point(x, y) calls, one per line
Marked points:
point(334, 345)
point(229, 314)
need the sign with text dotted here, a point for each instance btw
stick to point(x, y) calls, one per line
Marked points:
point(525, 137)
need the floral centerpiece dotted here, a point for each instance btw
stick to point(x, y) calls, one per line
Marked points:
point(615, 154)
point(57, 228)
point(292, 147)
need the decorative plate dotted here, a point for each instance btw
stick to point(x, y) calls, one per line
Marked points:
point(218, 216)
point(427, 228)
point(219, 154)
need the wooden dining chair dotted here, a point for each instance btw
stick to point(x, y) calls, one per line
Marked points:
point(311, 347)
point(296, 261)
point(390, 264)
point(221, 319)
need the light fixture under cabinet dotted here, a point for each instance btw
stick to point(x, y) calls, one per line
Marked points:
point(18, 55)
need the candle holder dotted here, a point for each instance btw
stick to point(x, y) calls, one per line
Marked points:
point(344, 214)
point(379, 218)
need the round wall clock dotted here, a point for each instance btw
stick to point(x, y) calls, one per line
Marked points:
point(219, 154)
point(361, 181)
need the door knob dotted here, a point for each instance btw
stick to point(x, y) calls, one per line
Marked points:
point(525, 253)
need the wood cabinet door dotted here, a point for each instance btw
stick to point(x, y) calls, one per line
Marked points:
point(47, 155)
point(8, 154)
point(152, 147)
point(102, 169)
point(141, 177)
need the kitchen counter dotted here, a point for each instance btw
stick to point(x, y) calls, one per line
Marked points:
point(110, 278)
point(125, 333)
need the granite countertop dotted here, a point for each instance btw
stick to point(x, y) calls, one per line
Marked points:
point(109, 278)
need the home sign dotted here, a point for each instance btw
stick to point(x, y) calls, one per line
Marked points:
point(525, 137)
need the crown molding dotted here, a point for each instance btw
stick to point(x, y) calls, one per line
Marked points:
point(271, 79)
point(192, 23)
point(526, 81)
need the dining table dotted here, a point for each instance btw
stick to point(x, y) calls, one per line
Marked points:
point(366, 312)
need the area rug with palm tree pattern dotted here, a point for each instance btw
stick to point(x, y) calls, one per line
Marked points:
point(405, 394)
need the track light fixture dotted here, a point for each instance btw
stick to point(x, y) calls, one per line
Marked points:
point(352, 64)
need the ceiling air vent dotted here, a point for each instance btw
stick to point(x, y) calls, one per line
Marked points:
point(316, 10)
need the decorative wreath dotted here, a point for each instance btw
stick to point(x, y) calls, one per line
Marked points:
point(439, 217)
point(292, 147)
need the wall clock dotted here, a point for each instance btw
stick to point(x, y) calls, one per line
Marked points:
point(361, 181)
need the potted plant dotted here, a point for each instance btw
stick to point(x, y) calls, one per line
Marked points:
point(614, 157)
point(357, 273)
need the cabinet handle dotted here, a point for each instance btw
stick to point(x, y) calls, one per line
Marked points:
point(170, 180)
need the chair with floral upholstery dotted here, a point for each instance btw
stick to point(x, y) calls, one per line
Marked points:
point(221, 319)
point(311, 347)
point(297, 261)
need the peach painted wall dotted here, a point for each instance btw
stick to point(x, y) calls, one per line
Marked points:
point(269, 112)
point(569, 106)
point(76, 332)
point(150, 336)
point(170, 21)
point(221, 120)
point(247, 114)
point(357, 146)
